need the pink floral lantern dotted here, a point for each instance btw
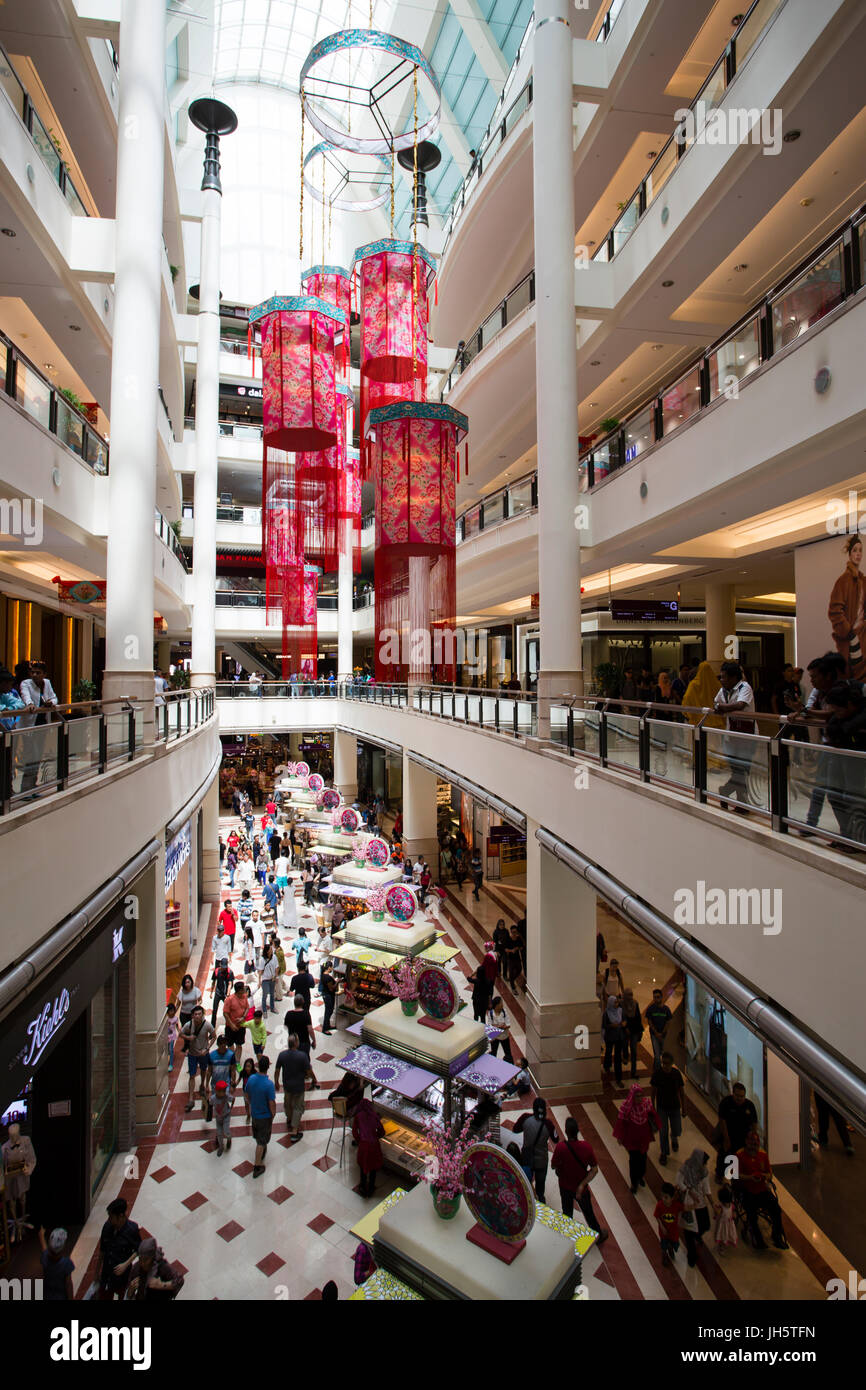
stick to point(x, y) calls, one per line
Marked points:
point(319, 490)
point(393, 277)
point(299, 336)
point(333, 284)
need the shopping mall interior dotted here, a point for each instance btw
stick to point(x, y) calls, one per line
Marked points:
point(431, 585)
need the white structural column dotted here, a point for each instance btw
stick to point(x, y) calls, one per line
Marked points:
point(210, 829)
point(151, 1058)
point(555, 356)
point(207, 383)
point(563, 1020)
point(419, 813)
point(345, 660)
point(721, 609)
point(346, 765)
point(135, 358)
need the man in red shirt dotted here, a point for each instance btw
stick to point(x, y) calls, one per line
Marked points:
point(575, 1166)
point(755, 1183)
point(235, 1009)
point(228, 920)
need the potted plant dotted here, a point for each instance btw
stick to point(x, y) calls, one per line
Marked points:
point(359, 851)
point(73, 400)
point(609, 425)
point(376, 903)
point(608, 678)
point(180, 678)
point(401, 981)
point(445, 1168)
point(83, 693)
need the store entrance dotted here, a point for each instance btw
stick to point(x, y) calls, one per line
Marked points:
point(59, 1190)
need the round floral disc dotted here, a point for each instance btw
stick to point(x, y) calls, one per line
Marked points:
point(349, 819)
point(378, 852)
point(315, 782)
point(302, 769)
point(331, 799)
point(401, 902)
point(497, 1193)
point(437, 994)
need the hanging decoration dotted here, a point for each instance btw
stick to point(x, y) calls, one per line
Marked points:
point(355, 86)
point(80, 590)
point(414, 447)
point(342, 176)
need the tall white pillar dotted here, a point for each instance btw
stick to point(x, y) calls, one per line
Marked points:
point(345, 661)
point(419, 813)
point(151, 1056)
point(346, 765)
point(721, 608)
point(555, 356)
point(215, 118)
point(210, 829)
point(135, 358)
point(563, 1020)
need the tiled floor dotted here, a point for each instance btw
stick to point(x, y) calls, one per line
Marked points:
point(284, 1235)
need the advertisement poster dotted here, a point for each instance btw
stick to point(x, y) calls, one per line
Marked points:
point(830, 593)
point(721, 1050)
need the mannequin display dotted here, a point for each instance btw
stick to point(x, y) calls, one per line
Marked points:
point(19, 1160)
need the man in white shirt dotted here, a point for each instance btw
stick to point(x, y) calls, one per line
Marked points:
point(417, 869)
point(222, 947)
point(736, 701)
point(35, 690)
point(257, 930)
point(160, 686)
point(254, 684)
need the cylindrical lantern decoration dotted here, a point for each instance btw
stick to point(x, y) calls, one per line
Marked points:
point(375, 394)
point(350, 507)
point(393, 297)
point(319, 488)
point(333, 284)
point(415, 455)
point(299, 405)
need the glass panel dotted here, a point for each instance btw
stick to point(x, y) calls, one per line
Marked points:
point(827, 789)
point(46, 147)
point(494, 510)
point(117, 734)
point(472, 522)
point(712, 92)
point(491, 327)
point(748, 35)
point(737, 769)
point(70, 427)
point(681, 401)
point(661, 171)
point(33, 393)
point(520, 497)
point(4, 361)
point(72, 198)
point(518, 300)
point(586, 727)
point(97, 453)
point(103, 1083)
point(602, 255)
point(626, 225)
point(736, 358)
point(639, 435)
point(11, 86)
point(513, 115)
point(671, 751)
point(818, 291)
point(622, 740)
point(860, 246)
point(34, 755)
point(83, 745)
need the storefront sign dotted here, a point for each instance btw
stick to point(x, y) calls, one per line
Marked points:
point(176, 855)
point(31, 1032)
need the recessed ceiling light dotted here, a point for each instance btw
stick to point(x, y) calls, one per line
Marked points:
point(593, 404)
point(737, 19)
point(657, 347)
point(790, 136)
point(651, 154)
point(595, 362)
point(806, 202)
point(7, 231)
point(666, 284)
point(49, 366)
point(75, 327)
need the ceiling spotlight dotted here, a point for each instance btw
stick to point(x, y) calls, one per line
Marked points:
point(806, 202)
point(657, 347)
point(744, 265)
point(651, 154)
point(790, 136)
point(75, 327)
point(666, 284)
point(595, 362)
point(49, 366)
point(737, 19)
point(7, 231)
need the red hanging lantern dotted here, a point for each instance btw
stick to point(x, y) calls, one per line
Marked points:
point(319, 486)
point(333, 284)
point(393, 283)
point(299, 371)
point(414, 458)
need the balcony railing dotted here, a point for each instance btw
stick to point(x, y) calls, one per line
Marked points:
point(42, 139)
point(516, 499)
point(496, 322)
point(44, 403)
point(165, 530)
point(711, 95)
point(231, 429)
point(240, 598)
point(82, 741)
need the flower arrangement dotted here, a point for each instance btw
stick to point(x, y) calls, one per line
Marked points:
point(320, 800)
point(358, 847)
point(401, 981)
point(444, 1170)
point(335, 820)
point(290, 769)
point(376, 902)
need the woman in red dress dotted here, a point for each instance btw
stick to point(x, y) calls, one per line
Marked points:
point(367, 1131)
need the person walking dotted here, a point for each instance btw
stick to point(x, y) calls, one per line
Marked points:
point(636, 1124)
point(292, 1066)
point(693, 1190)
point(328, 988)
point(198, 1036)
point(514, 958)
point(298, 1021)
point(480, 994)
point(668, 1091)
point(497, 1018)
point(234, 1013)
point(632, 1029)
point(187, 997)
point(537, 1130)
point(221, 979)
point(613, 1036)
point(658, 1016)
point(222, 1109)
point(261, 1098)
point(118, 1243)
point(574, 1164)
point(268, 979)
point(476, 869)
point(258, 1031)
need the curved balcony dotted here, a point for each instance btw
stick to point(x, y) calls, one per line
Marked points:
point(23, 383)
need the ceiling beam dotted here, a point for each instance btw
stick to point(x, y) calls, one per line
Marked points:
point(485, 47)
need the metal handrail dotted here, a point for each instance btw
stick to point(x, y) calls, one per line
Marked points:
point(32, 124)
point(465, 354)
point(114, 733)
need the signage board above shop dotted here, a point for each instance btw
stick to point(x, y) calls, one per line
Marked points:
point(177, 852)
point(251, 393)
point(30, 1032)
point(643, 610)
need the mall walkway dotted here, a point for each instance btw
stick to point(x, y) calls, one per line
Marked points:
point(285, 1235)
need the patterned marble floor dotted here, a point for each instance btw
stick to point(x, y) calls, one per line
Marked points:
point(286, 1234)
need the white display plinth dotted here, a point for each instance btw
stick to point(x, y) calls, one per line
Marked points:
point(389, 1028)
point(368, 878)
point(439, 1248)
point(405, 941)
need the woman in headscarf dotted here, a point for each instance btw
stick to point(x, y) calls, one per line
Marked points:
point(632, 1028)
point(613, 1033)
point(693, 1190)
point(700, 693)
point(636, 1126)
point(367, 1130)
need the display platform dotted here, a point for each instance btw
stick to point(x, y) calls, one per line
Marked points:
point(383, 1287)
point(447, 1054)
point(366, 1228)
point(435, 1258)
point(370, 878)
point(384, 1070)
point(407, 940)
